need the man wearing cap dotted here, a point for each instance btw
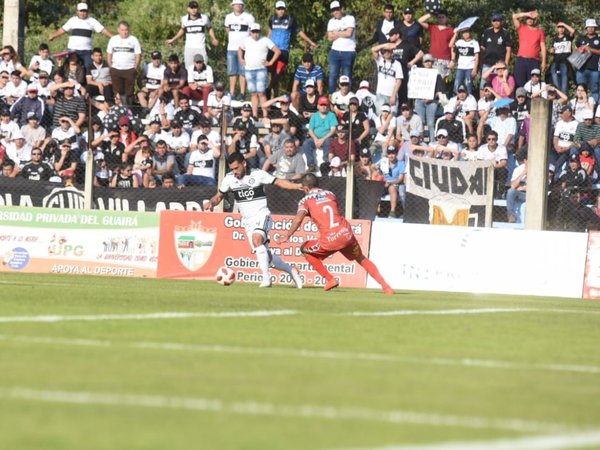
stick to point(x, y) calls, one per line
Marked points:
point(407, 54)
point(218, 101)
point(341, 32)
point(194, 26)
point(562, 43)
point(535, 87)
point(341, 98)
point(440, 35)
point(66, 104)
point(589, 73)
point(411, 30)
point(321, 128)
point(384, 25)
point(201, 170)
point(17, 149)
point(389, 76)
point(29, 103)
point(66, 162)
point(154, 72)
point(563, 140)
point(465, 106)
point(532, 46)
point(306, 71)
point(254, 54)
point(200, 79)
point(455, 127)
point(124, 55)
point(237, 26)
point(522, 107)
point(81, 27)
point(496, 45)
point(281, 28)
point(33, 132)
point(245, 118)
point(98, 76)
point(174, 79)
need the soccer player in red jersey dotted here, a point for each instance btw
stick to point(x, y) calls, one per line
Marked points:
point(335, 233)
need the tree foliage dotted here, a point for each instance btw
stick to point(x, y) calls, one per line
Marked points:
point(154, 21)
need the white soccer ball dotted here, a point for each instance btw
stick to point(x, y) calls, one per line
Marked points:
point(225, 276)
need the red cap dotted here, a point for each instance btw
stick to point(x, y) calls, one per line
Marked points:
point(323, 101)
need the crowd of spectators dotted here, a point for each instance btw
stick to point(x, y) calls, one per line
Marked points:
point(159, 120)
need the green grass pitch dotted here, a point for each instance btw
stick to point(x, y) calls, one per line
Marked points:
point(92, 363)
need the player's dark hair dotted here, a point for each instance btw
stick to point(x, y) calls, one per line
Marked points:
point(235, 157)
point(310, 180)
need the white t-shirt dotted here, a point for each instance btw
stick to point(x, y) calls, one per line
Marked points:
point(81, 32)
point(343, 44)
point(178, 142)
point(249, 191)
point(484, 153)
point(466, 106)
point(203, 163)
point(154, 76)
point(565, 132)
point(123, 51)
point(202, 78)
point(256, 51)
point(466, 51)
point(45, 64)
point(387, 74)
point(195, 30)
point(340, 100)
point(213, 137)
point(532, 89)
point(380, 137)
point(239, 28)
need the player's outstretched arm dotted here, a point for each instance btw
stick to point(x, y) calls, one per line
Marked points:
point(285, 184)
point(214, 201)
point(298, 218)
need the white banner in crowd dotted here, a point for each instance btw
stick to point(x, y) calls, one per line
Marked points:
point(478, 260)
point(421, 83)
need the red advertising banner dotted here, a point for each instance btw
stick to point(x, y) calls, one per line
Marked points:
point(196, 244)
point(591, 280)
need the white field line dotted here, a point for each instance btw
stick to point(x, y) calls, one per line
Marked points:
point(254, 408)
point(449, 312)
point(149, 316)
point(549, 442)
point(305, 353)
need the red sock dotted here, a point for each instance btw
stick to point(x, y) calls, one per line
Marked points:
point(318, 266)
point(374, 272)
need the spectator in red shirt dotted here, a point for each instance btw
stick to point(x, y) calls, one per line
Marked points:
point(532, 47)
point(440, 35)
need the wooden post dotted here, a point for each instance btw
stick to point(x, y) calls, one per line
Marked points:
point(349, 204)
point(14, 26)
point(89, 163)
point(223, 157)
point(537, 164)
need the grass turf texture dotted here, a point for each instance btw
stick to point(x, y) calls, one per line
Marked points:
point(242, 382)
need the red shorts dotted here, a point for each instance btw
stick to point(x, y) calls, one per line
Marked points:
point(278, 67)
point(344, 242)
